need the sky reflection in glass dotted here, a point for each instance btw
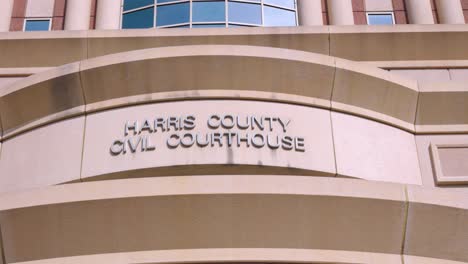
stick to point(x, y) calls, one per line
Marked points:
point(209, 11)
point(277, 17)
point(245, 13)
point(380, 19)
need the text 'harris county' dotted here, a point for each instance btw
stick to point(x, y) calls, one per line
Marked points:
point(255, 131)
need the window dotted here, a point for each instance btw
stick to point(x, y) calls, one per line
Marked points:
point(37, 24)
point(245, 13)
point(380, 18)
point(142, 18)
point(173, 14)
point(278, 17)
point(208, 13)
point(138, 14)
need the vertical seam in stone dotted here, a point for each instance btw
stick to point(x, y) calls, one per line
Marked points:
point(82, 147)
point(329, 40)
point(417, 108)
point(85, 119)
point(331, 120)
point(2, 250)
point(405, 224)
point(1, 131)
point(415, 133)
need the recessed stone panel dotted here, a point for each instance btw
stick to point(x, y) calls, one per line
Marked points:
point(438, 75)
point(432, 169)
point(454, 160)
point(40, 8)
point(379, 5)
point(42, 157)
point(374, 151)
point(176, 138)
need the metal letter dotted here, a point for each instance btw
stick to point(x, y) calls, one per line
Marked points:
point(217, 137)
point(117, 147)
point(130, 126)
point(223, 122)
point(229, 136)
point(258, 123)
point(242, 126)
point(134, 145)
point(146, 126)
point(269, 120)
point(210, 124)
point(189, 122)
point(284, 123)
point(190, 142)
point(258, 144)
point(173, 145)
point(287, 143)
point(300, 144)
point(201, 143)
point(148, 146)
point(270, 144)
point(172, 122)
point(245, 139)
point(160, 122)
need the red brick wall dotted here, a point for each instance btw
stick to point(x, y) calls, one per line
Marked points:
point(326, 21)
point(58, 18)
point(399, 10)
point(17, 17)
point(434, 12)
point(92, 20)
point(359, 12)
point(465, 9)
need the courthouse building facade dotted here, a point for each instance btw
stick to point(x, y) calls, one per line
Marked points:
point(234, 131)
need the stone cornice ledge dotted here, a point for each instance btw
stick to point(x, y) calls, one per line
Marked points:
point(207, 71)
point(360, 43)
point(283, 219)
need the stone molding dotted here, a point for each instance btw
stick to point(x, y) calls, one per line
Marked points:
point(359, 43)
point(203, 72)
point(440, 177)
point(365, 222)
point(295, 77)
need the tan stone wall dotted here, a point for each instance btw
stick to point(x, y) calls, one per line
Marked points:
point(362, 146)
point(359, 9)
point(235, 218)
point(236, 204)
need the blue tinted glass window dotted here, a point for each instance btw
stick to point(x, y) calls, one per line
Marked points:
point(380, 19)
point(208, 11)
point(208, 25)
point(139, 19)
point(245, 13)
point(132, 4)
point(276, 17)
point(165, 1)
point(284, 3)
point(173, 14)
point(37, 25)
